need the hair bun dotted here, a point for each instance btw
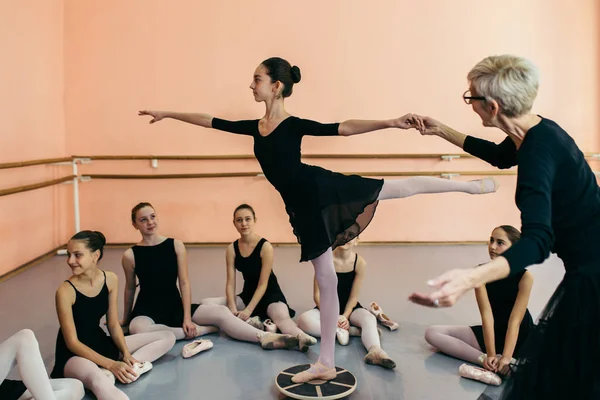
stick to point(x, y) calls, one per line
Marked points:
point(101, 237)
point(296, 76)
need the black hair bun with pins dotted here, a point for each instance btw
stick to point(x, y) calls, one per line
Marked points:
point(296, 76)
point(100, 236)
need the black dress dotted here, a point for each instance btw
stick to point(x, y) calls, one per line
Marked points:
point(502, 295)
point(559, 199)
point(250, 268)
point(87, 312)
point(159, 298)
point(326, 209)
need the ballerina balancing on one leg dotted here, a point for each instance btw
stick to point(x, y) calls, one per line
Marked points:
point(326, 209)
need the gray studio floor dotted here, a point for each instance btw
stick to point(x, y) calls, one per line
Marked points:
point(236, 370)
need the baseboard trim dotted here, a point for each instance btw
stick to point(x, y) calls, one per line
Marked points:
point(30, 264)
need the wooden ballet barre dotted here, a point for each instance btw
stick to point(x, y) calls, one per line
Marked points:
point(442, 156)
point(225, 157)
point(176, 176)
point(260, 174)
point(251, 157)
point(28, 163)
point(33, 186)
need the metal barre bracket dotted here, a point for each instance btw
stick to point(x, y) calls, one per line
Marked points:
point(450, 157)
point(449, 176)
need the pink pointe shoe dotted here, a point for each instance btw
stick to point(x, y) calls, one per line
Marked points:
point(343, 336)
point(195, 347)
point(270, 326)
point(382, 318)
point(479, 374)
point(141, 368)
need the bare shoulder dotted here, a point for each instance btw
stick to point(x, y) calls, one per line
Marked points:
point(179, 246)
point(526, 279)
point(266, 248)
point(112, 281)
point(128, 255)
point(230, 248)
point(65, 291)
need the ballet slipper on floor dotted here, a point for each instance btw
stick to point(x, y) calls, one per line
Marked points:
point(141, 368)
point(316, 371)
point(274, 341)
point(343, 336)
point(382, 318)
point(376, 356)
point(270, 326)
point(195, 347)
point(479, 374)
point(305, 341)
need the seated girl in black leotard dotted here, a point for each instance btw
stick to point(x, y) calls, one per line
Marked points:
point(350, 269)
point(261, 296)
point(506, 321)
point(83, 350)
point(159, 262)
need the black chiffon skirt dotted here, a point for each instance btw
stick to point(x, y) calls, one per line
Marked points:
point(328, 209)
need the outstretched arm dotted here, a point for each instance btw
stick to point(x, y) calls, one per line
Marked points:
point(204, 120)
point(503, 155)
point(245, 127)
point(357, 126)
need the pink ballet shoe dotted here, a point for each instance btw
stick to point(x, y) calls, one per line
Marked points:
point(270, 326)
point(479, 374)
point(195, 347)
point(305, 341)
point(382, 318)
point(487, 185)
point(141, 368)
point(343, 336)
point(272, 341)
point(316, 371)
point(376, 356)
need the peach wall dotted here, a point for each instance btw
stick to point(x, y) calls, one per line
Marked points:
point(358, 61)
point(85, 68)
point(33, 127)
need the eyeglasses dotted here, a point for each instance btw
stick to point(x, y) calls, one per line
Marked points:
point(469, 99)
